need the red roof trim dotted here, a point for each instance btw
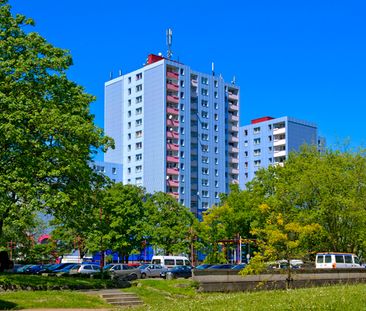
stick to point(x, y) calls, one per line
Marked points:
point(259, 120)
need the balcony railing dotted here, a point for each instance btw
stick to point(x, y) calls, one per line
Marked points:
point(172, 159)
point(194, 83)
point(233, 139)
point(173, 147)
point(233, 96)
point(172, 134)
point(172, 171)
point(233, 160)
point(172, 75)
point(172, 183)
point(173, 111)
point(172, 99)
point(172, 122)
point(233, 118)
point(172, 87)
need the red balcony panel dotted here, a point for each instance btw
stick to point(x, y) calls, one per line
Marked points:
point(172, 171)
point(174, 147)
point(172, 99)
point(172, 75)
point(173, 183)
point(172, 159)
point(172, 87)
point(172, 134)
point(171, 122)
point(173, 111)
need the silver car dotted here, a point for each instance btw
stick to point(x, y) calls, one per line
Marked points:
point(125, 272)
point(85, 269)
point(151, 270)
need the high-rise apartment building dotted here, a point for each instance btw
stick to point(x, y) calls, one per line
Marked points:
point(175, 130)
point(268, 141)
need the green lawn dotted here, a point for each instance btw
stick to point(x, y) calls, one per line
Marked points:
point(179, 295)
point(173, 295)
point(49, 299)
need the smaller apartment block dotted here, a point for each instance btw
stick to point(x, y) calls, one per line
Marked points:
point(268, 141)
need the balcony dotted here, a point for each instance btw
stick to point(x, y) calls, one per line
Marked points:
point(279, 142)
point(194, 83)
point(233, 128)
point(233, 96)
point(233, 118)
point(172, 87)
point(172, 171)
point(173, 147)
point(172, 159)
point(172, 183)
point(171, 134)
point(194, 163)
point(234, 180)
point(172, 99)
point(233, 139)
point(234, 171)
point(233, 160)
point(173, 111)
point(172, 122)
point(174, 195)
point(280, 130)
point(172, 75)
point(280, 153)
point(233, 107)
point(233, 149)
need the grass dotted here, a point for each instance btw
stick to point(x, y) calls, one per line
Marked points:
point(49, 299)
point(180, 295)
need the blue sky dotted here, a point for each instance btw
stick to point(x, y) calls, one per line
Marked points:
point(304, 58)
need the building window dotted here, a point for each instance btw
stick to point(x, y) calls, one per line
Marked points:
point(269, 148)
point(114, 171)
point(205, 171)
point(182, 130)
point(245, 143)
point(245, 132)
point(216, 83)
point(129, 102)
point(129, 125)
point(129, 136)
point(245, 153)
point(205, 182)
point(270, 126)
point(216, 128)
point(256, 130)
point(138, 181)
point(270, 138)
point(129, 113)
point(204, 114)
point(181, 83)
point(204, 125)
point(182, 190)
point(257, 152)
point(204, 137)
point(246, 164)
point(216, 106)
point(216, 95)
point(257, 141)
point(138, 122)
point(181, 94)
point(216, 150)
point(204, 80)
point(129, 170)
point(138, 110)
point(139, 76)
point(216, 161)
point(139, 157)
point(216, 172)
point(204, 205)
point(216, 139)
point(216, 184)
point(216, 117)
point(257, 163)
point(182, 154)
point(129, 147)
point(204, 148)
point(182, 142)
point(139, 145)
point(139, 88)
point(129, 91)
point(182, 107)
point(270, 160)
point(204, 193)
point(204, 103)
point(129, 79)
point(205, 160)
point(138, 99)
point(128, 159)
point(182, 71)
point(138, 134)
point(182, 166)
point(138, 168)
point(182, 119)
point(204, 92)
point(216, 195)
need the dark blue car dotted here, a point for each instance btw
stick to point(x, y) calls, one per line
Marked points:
point(177, 272)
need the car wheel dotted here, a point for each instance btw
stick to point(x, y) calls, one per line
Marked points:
point(132, 277)
point(143, 275)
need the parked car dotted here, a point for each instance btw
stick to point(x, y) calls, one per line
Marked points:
point(221, 266)
point(203, 266)
point(151, 270)
point(84, 269)
point(337, 260)
point(65, 270)
point(125, 272)
point(239, 266)
point(177, 272)
point(283, 264)
point(170, 261)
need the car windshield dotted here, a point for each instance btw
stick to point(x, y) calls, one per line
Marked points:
point(144, 266)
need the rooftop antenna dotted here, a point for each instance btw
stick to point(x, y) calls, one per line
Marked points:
point(120, 72)
point(233, 81)
point(111, 75)
point(169, 36)
point(213, 68)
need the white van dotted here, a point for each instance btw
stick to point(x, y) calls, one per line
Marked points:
point(336, 260)
point(170, 261)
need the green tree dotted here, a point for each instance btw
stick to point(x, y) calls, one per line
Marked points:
point(47, 134)
point(119, 220)
point(169, 225)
